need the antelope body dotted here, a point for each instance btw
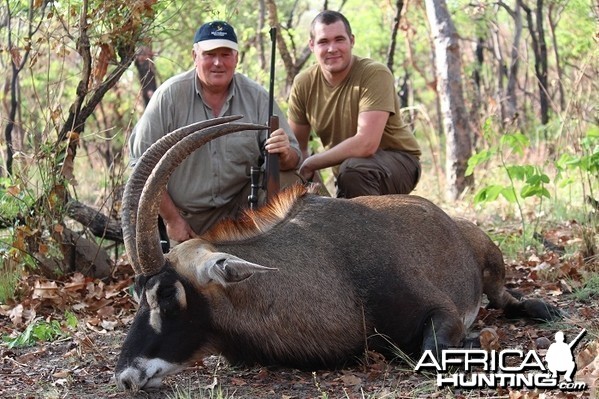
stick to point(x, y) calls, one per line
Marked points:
point(306, 281)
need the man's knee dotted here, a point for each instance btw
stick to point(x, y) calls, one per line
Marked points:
point(353, 183)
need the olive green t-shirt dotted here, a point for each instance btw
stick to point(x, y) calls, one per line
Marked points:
point(332, 112)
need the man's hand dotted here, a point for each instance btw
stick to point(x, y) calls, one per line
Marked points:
point(178, 229)
point(278, 142)
point(308, 168)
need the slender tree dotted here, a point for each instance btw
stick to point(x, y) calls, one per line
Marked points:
point(18, 61)
point(553, 17)
point(146, 72)
point(449, 87)
point(539, 48)
point(393, 42)
point(511, 98)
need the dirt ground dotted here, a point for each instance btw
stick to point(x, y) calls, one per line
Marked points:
point(81, 363)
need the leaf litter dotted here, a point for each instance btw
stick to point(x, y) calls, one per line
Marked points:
point(80, 362)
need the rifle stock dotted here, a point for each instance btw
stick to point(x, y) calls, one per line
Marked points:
point(271, 172)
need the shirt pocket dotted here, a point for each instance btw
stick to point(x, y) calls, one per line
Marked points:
point(242, 147)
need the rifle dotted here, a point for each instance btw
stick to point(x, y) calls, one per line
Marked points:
point(575, 340)
point(271, 167)
point(270, 181)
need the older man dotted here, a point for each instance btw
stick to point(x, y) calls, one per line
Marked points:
point(213, 183)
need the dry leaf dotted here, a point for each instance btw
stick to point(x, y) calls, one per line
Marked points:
point(350, 380)
point(109, 325)
point(489, 340)
point(106, 311)
point(42, 249)
point(101, 64)
point(60, 382)
point(62, 374)
point(516, 395)
point(238, 381)
point(45, 290)
point(77, 283)
point(13, 190)
point(262, 374)
point(16, 56)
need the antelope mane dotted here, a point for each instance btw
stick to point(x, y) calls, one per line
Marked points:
point(252, 223)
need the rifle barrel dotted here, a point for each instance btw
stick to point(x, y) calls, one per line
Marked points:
point(578, 337)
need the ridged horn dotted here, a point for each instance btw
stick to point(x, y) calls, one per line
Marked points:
point(149, 251)
point(140, 174)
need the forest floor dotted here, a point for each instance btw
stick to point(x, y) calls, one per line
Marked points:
point(81, 324)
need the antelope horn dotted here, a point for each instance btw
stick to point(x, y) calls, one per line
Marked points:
point(149, 251)
point(140, 174)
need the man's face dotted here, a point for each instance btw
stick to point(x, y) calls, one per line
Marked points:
point(332, 47)
point(215, 68)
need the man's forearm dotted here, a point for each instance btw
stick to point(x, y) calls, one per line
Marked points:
point(289, 160)
point(168, 210)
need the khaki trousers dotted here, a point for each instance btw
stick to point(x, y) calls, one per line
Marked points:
point(385, 172)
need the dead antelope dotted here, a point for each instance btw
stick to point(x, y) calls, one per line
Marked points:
point(306, 281)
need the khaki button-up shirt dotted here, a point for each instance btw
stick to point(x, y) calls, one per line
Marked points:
point(217, 172)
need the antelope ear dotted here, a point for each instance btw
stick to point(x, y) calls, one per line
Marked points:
point(227, 269)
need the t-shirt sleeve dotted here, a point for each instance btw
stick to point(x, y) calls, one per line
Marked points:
point(378, 90)
point(296, 111)
point(285, 126)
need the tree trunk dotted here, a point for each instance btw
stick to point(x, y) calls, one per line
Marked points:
point(392, 45)
point(475, 111)
point(552, 25)
point(146, 72)
point(542, 71)
point(292, 66)
point(261, 25)
point(501, 73)
point(511, 100)
point(99, 224)
point(449, 87)
point(540, 52)
point(18, 60)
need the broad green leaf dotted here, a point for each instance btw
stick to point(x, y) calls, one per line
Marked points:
point(477, 159)
point(487, 194)
point(509, 194)
point(516, 141)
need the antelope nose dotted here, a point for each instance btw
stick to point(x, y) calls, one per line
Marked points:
point(125, 384)
point(128, 380)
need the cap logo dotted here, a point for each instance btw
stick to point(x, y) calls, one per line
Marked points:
point(218, 32)
point(214, 35)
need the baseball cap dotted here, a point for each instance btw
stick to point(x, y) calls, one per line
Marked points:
point(216, 34)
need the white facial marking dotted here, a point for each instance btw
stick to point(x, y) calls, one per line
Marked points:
point(181, 298)
point(155, 320)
